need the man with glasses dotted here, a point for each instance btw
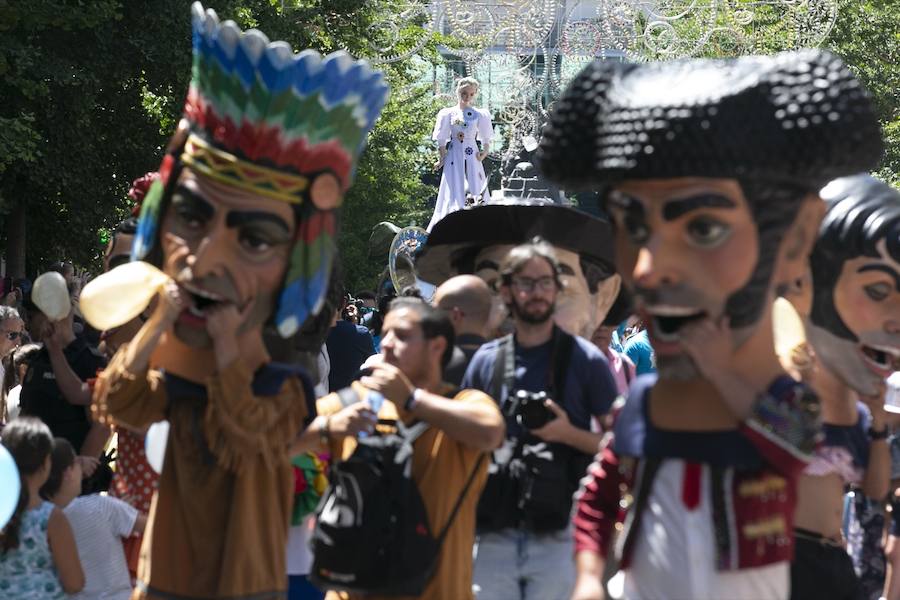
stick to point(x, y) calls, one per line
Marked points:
point(12, 335)
point(524, 547)
point(12, 332)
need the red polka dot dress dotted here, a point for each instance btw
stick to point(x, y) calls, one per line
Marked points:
point(134, 482)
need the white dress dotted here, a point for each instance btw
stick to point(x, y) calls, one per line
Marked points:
point(463, 173)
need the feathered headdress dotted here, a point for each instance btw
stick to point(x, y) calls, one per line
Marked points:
point(282, 125)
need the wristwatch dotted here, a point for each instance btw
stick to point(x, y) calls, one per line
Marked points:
point(878, 435)
point(411, 402)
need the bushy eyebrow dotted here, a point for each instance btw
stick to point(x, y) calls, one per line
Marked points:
point(674, 209)
point(236, 218)
point(885, 269)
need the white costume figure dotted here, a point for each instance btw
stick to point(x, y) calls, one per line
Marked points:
point(456, 131)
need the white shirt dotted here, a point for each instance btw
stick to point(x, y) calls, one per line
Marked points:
point(674, 556)
point(99, 524)
point(299, 554)
point(892, 397)
point(12, 402)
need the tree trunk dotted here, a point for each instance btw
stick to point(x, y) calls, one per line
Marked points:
point(15, 241)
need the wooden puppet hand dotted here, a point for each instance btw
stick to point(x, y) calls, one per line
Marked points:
point(222, 324)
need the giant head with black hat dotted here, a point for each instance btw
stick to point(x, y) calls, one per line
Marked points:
point(713, 168)
point(476, 239)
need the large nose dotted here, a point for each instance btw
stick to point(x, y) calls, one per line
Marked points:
point(212, 253)
point(655, 267)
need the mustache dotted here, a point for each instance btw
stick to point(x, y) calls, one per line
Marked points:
point(680, 295)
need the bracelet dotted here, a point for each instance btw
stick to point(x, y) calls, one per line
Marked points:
point(412, 401)
point(878, 435)
point(325, 431)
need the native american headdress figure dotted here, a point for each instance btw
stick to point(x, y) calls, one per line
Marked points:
point(283, 125)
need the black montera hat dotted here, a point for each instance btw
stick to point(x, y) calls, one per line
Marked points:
point(513, 222)
point(797, 117)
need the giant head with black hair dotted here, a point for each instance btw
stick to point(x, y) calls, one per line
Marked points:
point(854, 320)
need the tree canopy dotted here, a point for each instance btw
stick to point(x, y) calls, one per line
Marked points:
point(92, 90)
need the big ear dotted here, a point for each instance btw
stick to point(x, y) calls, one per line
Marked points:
point(798, 242)
point(607, 292)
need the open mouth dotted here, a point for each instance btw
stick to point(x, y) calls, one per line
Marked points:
point(884, 358)
point(667, 321)
point(201, 301)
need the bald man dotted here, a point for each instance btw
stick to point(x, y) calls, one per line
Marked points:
point(467, 299)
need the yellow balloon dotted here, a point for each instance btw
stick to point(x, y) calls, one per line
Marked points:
point(51, 295)
point(788, 328)
point(118, 296)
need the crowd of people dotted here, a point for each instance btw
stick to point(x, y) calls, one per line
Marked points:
point(585, 408)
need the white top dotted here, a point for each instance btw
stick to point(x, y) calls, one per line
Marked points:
point(299, 554)
point(100, 523)
point(12, 402)
point(674, 556)
point(892, 397)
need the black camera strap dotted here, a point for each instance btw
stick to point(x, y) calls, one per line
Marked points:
point(560, 356)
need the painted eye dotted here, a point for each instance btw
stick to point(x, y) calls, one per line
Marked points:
point(878, 291)
point(255, 243)
point(707, 232)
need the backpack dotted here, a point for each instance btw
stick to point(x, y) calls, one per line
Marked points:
point(372, 533)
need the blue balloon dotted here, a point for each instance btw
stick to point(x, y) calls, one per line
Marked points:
point(10, 486)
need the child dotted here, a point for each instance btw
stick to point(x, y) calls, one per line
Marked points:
point(38, 557)
point(99, 523)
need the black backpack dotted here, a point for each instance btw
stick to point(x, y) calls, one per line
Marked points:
point(372, 533)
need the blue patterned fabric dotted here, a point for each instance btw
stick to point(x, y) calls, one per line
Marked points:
point(28, 571)
point(865, 529)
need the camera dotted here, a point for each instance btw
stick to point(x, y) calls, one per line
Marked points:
point(528, 409)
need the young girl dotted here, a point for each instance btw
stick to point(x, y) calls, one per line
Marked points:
point(99, 523)
point(38, 557)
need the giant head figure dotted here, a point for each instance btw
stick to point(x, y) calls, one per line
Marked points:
point(476, 240)
point(854, 320)
point(246, 207)
point(713, 168)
